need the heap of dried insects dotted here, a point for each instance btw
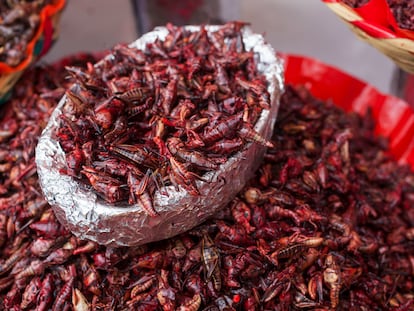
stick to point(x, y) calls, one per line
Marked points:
point(326, 223)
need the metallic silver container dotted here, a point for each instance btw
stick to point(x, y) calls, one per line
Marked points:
point(90, 217)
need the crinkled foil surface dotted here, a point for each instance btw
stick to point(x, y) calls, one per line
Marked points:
point(90, 217)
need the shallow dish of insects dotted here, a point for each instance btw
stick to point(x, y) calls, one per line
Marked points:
point(172, 167)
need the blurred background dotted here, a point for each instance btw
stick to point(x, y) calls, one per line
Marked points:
point(299, 27)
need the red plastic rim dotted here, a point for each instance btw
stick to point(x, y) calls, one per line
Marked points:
point(394, 117)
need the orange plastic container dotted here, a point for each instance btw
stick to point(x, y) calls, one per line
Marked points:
point(46, 34)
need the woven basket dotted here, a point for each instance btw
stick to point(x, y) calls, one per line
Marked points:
point(397, 48)
point(46, 34)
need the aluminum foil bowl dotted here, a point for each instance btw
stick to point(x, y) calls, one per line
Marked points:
point(90, 217)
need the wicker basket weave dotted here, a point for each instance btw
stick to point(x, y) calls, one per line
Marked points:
point(400, 50)
point(46, 34)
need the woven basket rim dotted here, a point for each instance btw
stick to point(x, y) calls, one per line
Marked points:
point(399, 49)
